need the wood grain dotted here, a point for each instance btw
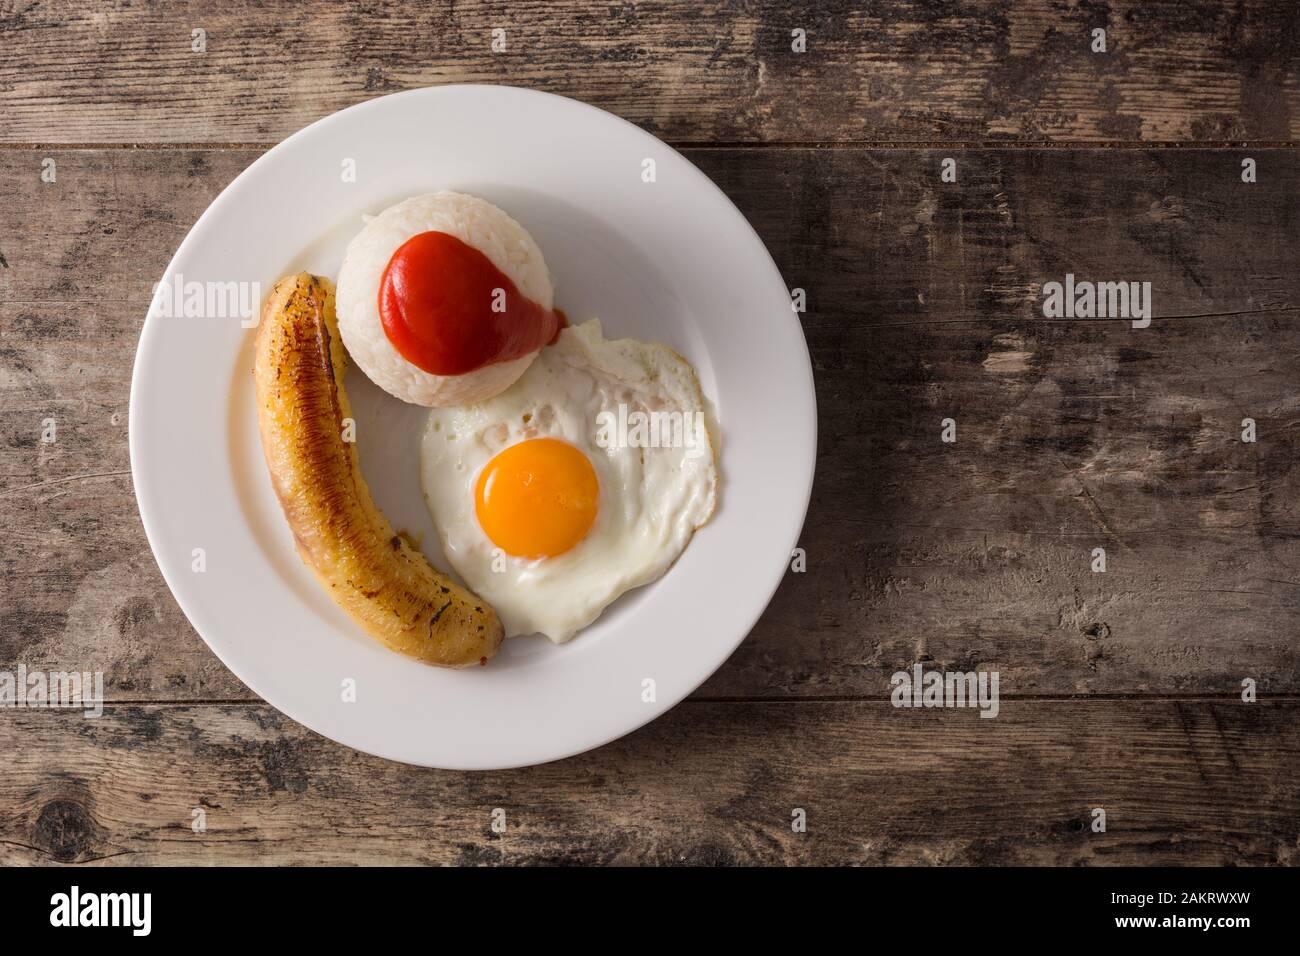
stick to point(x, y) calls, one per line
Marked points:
point(1119, 690)
point(708, 783)
point(1072, 434)
point(928, 70)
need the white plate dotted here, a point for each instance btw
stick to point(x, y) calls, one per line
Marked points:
point(670, 260)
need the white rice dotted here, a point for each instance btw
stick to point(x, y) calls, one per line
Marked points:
point(473, 221)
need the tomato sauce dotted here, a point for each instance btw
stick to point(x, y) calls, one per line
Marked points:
point(448, 310)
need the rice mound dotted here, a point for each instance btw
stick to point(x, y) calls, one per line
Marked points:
point(473, 221)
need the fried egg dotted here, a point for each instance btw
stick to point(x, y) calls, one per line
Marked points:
point(586, 478)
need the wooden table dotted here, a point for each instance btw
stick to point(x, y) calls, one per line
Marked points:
point(1120, 690)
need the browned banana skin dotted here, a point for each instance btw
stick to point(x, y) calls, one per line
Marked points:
point(384, 584)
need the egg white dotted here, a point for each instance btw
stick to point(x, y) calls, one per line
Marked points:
point(652, 499)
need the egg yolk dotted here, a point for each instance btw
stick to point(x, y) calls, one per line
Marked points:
point(537, 499)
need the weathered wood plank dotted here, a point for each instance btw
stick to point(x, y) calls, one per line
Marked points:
point(79, 257)
point(1072, 434)
point(924, 304)
point(925, 70)
point(1180, 782)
